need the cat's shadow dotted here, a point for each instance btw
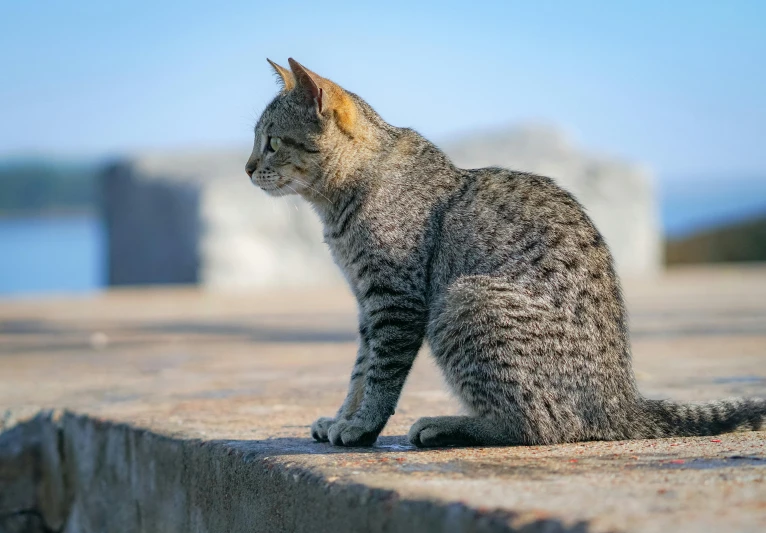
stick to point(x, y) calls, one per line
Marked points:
point(391, 451)
point(279, 446)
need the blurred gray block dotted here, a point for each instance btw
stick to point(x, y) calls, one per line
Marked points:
point(153, 228)
point(194, 217)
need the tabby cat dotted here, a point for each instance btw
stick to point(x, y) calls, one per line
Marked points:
point(502, 273)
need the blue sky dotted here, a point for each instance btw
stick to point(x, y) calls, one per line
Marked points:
point(679, 85)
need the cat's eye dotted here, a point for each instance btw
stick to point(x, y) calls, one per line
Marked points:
point(274, 144)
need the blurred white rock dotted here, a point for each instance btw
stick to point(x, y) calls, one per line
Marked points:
point(229, 235)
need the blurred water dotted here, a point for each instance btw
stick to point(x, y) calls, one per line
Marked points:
point(51, 254)
point(54, 254)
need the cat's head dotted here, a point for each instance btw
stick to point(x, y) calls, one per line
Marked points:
point(301, 133)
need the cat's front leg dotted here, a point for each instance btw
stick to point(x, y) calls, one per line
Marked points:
point(395, 333)
point(355, 394)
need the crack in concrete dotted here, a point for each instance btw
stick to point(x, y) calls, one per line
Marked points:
point(32, 522)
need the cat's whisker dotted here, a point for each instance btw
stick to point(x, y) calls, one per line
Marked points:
point(291, 200)
point(310, 187)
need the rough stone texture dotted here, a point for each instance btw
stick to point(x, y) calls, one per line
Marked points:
point(32, 492)
point(179, 410)
point(195, 217)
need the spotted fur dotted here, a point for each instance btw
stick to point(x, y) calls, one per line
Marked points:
point(501, 272)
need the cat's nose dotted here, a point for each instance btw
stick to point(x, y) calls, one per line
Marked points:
point(250, 168)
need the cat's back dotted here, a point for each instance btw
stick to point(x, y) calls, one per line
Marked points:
point(524, 225)
point(521, 198)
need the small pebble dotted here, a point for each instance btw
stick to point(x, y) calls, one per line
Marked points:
point(99, 340)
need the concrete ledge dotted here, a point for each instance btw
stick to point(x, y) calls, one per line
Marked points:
point(33, 496)
point(113, 477)
point(179, 410)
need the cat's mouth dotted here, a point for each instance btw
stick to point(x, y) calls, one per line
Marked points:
point(279, 187)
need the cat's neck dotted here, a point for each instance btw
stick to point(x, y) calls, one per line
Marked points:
point(331, 202)
point(353, 166)
point(379, 156)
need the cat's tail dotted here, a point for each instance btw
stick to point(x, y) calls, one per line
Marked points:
point(668, 419)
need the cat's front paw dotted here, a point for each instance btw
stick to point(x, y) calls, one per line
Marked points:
point(320, 427)
point(352, 433)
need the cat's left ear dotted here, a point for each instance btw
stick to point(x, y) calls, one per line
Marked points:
point(288, 80)
point(331, 99)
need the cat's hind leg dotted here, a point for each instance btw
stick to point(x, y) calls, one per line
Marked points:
point(505, 353)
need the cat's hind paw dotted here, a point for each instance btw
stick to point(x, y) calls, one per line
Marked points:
point(456, 431)
point(320, 427)
point(429, 432)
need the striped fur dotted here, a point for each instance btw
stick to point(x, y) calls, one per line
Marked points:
point(501, 272)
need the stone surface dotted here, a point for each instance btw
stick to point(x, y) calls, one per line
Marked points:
point(193, 217)
point(181, 410)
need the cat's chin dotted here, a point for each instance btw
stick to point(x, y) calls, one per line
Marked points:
point(284, 190)
point(280, 189)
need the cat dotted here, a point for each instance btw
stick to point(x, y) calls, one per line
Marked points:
point(501, 272)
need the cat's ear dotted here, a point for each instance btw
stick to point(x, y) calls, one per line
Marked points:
point(288, 80)
point(308, 81)
point(329, 97)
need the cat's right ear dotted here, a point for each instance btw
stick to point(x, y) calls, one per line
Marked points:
point(287, 78)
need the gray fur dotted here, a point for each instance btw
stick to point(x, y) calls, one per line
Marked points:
point(501, 272)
